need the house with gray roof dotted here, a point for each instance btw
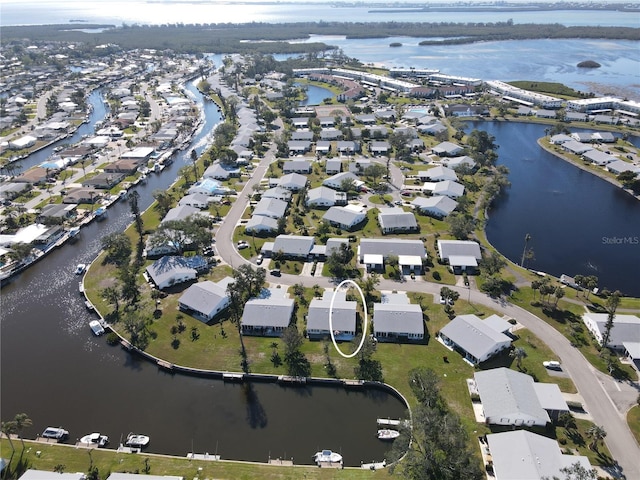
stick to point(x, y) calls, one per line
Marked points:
point(180, 212)
point(323, 147)
point(386, 247)
point(209, 186)
point(378, 131)
point(293, 246)
point(205, 300)
point(348, 146)
point(278, 193)
point(270, 207)
point(325, 197)
point(259, 225)
point(395, 319)
point(435, 206)
point(347, 217)
point(447, 149)
point(524, 455)
point(448, 188)
point(625, 331)
point(379, 147)
point(343, 317)
point(330, 134)
point(302, 135)
point(299, 146)
point(476, 340)
point(576, 147)
point(618, 166)
point(396, 220)
point(195, 200)
point(297, 166)
point(293, 182)
point(168, 271)
point(268, 315)
point(366, 118)
point(336, 180)
point(461, 255)
point(218, 172)
point(300, 122)
point(59, 211)
point(459, 162)
point(598, 157)
point(333, 166)
point(438, 174)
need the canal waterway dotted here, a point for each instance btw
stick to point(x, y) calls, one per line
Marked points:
point(579, 223)
point(57, 372)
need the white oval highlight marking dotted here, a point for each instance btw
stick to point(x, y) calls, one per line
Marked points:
point(366, 319)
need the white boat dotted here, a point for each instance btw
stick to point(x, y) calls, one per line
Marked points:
point(58, 433)
point(74, 232)
point(388, 434)
point(327, 456)
point(80, 268)
point(95, 439)
point(96, 327)
point(137, 440)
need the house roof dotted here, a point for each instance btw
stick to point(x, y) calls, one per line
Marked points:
point(448, 248)
point(473, 335)
point(277, 192)
point(297, 245)
point(261, 223)
point(439, 173)
point(626, 328)
point(523, 455)
point(293, 181)
point(32, 474)
point(270, 207)
point(167, 267)
point(206, 297)
point(272, 311)
point(550, 397)
point(391, 246)
point(325, 193)
point(396, 217)
point(296, 165)
point(448, 148)
point(441, 204)
point(338, 178)
point(344, 216)
point(507, 393)
point(343, 315)
point(398, 318)
point(180, 213)
point(448, 188)
point(199, 198)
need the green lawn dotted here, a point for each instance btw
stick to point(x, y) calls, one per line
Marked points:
point(633, 419)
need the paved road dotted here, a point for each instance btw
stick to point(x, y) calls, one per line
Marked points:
point(619, 439)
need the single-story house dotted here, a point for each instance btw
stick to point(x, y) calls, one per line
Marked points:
point(218, 172)
point(447, 149)
point(522, 454)
point(435, 206)
point(208, 186)
point(448, 188)
point(396, 220)
point(461, 255)
point(291, 246)
point(323, 147)
point(278, 193)
point(299, 146)
point(330, 134)
point(438, 174)
point(576, 147)
point(169, 270)
point(12, 190)
point(268, 315)
point(60, 211)
point(618, 166)
point(195, 200)
point(333, 166)
point(205, 300)
point(510, 398)
point(104, 180)
point(181, 212)
point(599, 157)
point(626, 328)
point(379, 148)
point(297, 166)
point(560, 138)
point(325, 197)
point(336, 180)
point(126, 166)
point(302, 135)
point(347, 217)
point(32, 474)
point(260, 224)
point(459, 162)
point(385, 247)
point(292, 181)
point(270, 207)
point(378, 131)
point(475, 339)
point(343, 317)
point(396, 319)
point(348, 146)
point(82, 195)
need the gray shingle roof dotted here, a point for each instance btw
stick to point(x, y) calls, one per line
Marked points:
point(473, 335)
point(398, 318)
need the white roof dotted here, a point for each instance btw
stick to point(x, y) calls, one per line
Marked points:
point(458, 248)
point(398, 318)
point(409, 260)
point(373, 259)
point(44, 475)
point(473, 335)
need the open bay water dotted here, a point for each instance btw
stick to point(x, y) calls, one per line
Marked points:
point(579, 223)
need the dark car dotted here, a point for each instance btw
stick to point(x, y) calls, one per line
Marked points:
point(275, 273)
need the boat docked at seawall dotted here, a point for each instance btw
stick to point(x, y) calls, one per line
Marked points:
point(95, 440)
point(96, 327)
point(100, 213)
point(387, 434)
point(57, 433)
point(327, 456)
point(137, 440)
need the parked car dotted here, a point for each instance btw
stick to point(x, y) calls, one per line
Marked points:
point(242, 244)
point(552, 365)
point(276, 272)
point(259, 259)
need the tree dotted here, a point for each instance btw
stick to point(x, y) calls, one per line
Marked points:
point(483, 147)
point(117, 247)
point(577, 472)
point(367, 368)
point(596, 433)
point(590, 282)
point(9, 429)
point(518, 354)
point(164, 201)
point(492, 263)
point(460, 225)
point(297, 363)
point(20, 251)
point(611, 306)
point(449, 295)
point(112, 296)
point(368, 285)
point(134, 197)
point(194, 160)
point(22, 421)
point(339, 260)
point(375, 171)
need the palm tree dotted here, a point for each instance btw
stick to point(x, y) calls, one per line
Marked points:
point(9, 428)
point(596, 433)
point(22, 421)
point(518, 354)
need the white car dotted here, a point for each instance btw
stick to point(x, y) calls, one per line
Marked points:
point(552, 365)
point(242, 245)
point(259, 259)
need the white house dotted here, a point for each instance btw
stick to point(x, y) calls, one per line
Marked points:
point(396, 220)
point(384, 247)
point(205, 300)
point(168, 271)
point(448, 188)
point(435, 206)
point(346, 217)
point(292, 181)
point(336, 180)
point(325, 197)
point(292, 246)
point(343, 317)
point(438, 174)
point(195, 200)
point(618, 166)
point(261, 224)
point(396, 319)
point(523, 455)
point(270, 207)
point(461, 255)
point(474, 338)
point(268, 315)
point(447, 149)
point(626, 328)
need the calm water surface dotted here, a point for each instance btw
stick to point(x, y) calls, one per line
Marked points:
point(570, 214)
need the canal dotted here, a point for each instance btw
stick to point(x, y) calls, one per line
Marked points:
point(60, 375)
point(579, 223)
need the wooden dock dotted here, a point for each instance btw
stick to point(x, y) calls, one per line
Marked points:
point(233, 377)
point(280, 462)
point(374, 465)
point(292, 379)
point(390, 422)
point(353, 383)
point(207, 457)
point(166, 365)
point(330, 464)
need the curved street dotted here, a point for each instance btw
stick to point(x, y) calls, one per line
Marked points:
point(587, 380)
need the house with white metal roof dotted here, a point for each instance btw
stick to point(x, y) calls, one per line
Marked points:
point(205, 300)
point(181, 212)
point(438, 174)
point(268, 315)
point(299, 146)
point(270, 207)
point(448, 188)
point(260, 224)
point(385, 247)
point(278, 193)
point(472, 337)
point(625, 331)
point(218, 172)
point(297, 166)
point(379, 147)
point(347, 217)
point(395, 319)
point(447, 149)
point(436, 206)
point(333, 166)
point(325, 197)
point(458, 162)
point(336, 180)
point(578, 148)
point(168, 271)
point(195, 200)
point(293, 182)
point(524, 455)
point(293, 246)
point(396, 220)
point(618, 166)
point(343, 317)
point(461, 255)
point(598, 157)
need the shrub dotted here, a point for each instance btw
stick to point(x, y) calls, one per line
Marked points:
point(113, 338)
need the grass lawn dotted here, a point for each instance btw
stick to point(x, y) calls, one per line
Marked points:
point(77, 460)
point(633, 419)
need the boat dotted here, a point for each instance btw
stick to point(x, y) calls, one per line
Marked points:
point(100, 213)
point(57, 433)
point(137, 440)
point(327, 456)
point(95, 439)
point(74, 232)
point(89, 305)
point(96, 328)
point(81, 268)
point(387, 434)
